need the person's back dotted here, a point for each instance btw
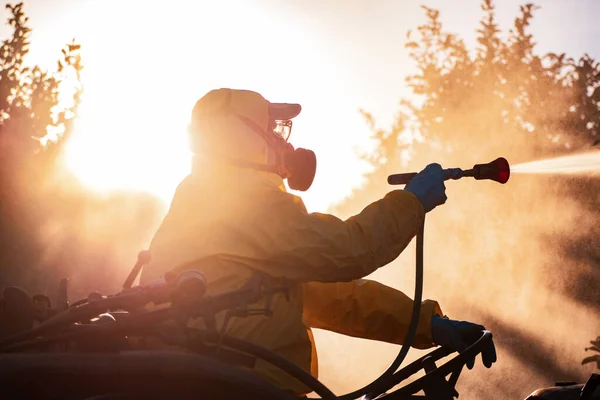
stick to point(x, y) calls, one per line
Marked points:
point(211, 227)
point(232, 218)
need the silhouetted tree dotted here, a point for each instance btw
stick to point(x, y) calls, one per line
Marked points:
point(34, 124)
point(51, 226)
point(504, 94)
point(596, 357)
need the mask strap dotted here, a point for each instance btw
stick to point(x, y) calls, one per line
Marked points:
point(270, 139)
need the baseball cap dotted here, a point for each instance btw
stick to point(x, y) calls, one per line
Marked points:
point(250, 104)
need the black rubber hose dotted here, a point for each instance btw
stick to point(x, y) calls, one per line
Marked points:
point(386, 380)
point(294, 370)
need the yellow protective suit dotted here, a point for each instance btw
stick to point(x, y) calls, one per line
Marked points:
point(229, 222)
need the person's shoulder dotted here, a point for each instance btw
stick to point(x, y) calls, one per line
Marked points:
point(281, 199)
point(184, 191)
point(184, 186)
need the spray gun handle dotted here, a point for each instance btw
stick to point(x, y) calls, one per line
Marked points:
point(453, 173)
point(403, 179)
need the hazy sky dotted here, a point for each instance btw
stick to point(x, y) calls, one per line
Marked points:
point(147, 63)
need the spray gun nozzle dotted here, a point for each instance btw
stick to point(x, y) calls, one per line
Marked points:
point(497, 170)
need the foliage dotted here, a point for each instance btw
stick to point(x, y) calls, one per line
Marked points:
point(30, 110)
point(31, 107)
point(595, 348)
point(50, 225)
point(503, 93)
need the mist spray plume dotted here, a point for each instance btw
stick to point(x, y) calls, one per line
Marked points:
point(583, 163)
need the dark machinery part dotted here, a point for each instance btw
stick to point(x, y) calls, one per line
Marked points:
point(570, 391)
point(144, 258)
point(144, 375)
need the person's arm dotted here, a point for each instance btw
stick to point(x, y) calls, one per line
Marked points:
point(308, 247)
point(366, 309)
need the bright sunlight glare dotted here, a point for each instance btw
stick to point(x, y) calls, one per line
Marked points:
point(131, 130)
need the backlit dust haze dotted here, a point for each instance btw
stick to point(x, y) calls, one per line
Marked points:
point(495, 254)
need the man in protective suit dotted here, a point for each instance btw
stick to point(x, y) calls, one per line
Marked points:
point(232, 217)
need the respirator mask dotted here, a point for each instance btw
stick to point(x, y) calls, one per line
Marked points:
point(298, 166)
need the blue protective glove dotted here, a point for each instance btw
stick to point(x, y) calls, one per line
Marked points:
point(429, 187)
point(458, 335)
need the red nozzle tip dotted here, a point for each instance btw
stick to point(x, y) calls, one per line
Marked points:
point(503, 170)
point(497, 170)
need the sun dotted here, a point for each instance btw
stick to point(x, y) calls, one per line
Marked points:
point(140, 87)
point(128, 154)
